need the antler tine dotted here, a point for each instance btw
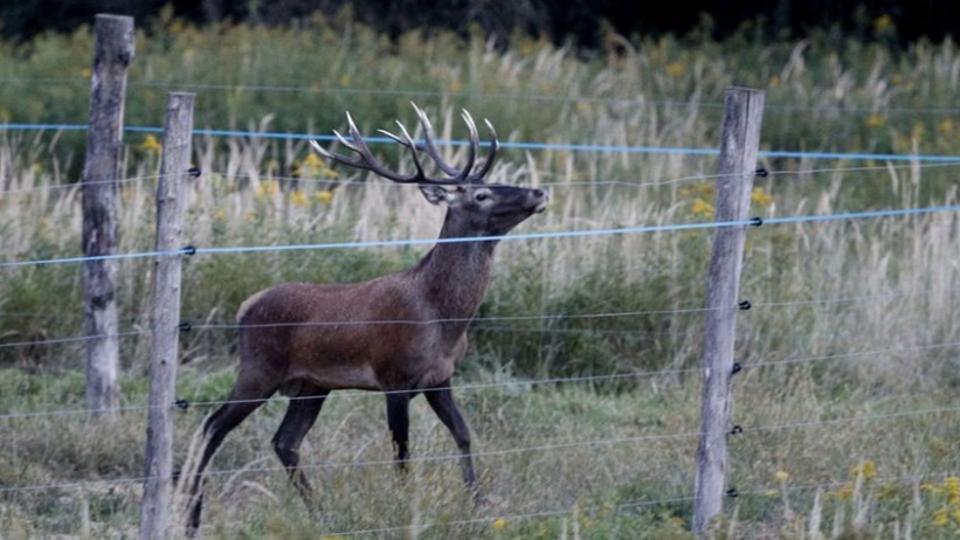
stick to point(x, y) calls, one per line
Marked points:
point(393, 136)
point(492, 156)
point(337, 157)
point(464, 175)
point(428, 146)
point(366, 159)
point(343, 140)
point(409, 143)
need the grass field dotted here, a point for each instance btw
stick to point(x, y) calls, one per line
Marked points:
point(847, 402)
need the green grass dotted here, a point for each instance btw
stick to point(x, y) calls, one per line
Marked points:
point(885, 289)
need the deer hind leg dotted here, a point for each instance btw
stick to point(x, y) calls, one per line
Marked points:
point(301, 414)
point(442, 403)
point(398, 418)
point(247, 395)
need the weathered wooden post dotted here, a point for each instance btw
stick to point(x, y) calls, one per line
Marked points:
point(112, 54)
point(737, 166)
point(165, 318)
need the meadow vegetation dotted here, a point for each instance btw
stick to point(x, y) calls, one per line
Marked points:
point(851, 373)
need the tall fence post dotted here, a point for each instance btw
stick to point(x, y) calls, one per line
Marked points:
point(743, 113)
point(113, 52)
point(165, 317)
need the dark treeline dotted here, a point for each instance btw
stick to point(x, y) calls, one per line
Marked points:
point(582, 21)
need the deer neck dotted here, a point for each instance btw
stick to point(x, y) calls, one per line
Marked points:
point(455, 274)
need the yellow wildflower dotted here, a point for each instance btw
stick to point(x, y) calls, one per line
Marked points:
point(324, 197)
point(267, 189)
point(316, 166)
point(675, 69)
point(345, 79)
point(945, 127)
point(774, 82)
point(85, 73)
point(941, 517)
point(499, 524)
point(952, 485)
point(886, 491)
point(151, 144)
point(312, 161)
point(297, 198)
point(883, 24)
point(844, 492)
point(701, 207)
point(781, 476)
point(760, 197)
point(875, 120)
point(867, 469)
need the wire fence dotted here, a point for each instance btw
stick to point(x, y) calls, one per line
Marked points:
point(485, 96)
point(870, 354)
point(520, 145)
point(649, 439)
point(575, 509)
point(551, 446)
point(706, 225)
point(640, 183)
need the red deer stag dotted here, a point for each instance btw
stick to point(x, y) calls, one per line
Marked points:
point(402, 333)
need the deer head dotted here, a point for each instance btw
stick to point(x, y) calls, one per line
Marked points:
point(474, 207)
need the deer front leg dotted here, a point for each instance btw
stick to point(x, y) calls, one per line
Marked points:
point(442, 403)
point(398, 418)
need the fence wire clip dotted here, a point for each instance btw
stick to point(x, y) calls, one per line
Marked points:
point(732, 493)
point(189, 250)
point(736, 430)
point(185, 326)
point(756, 221)
point(744, 305)
point(182, 404)
point(737, 368)
point(194, 172)
point(762, 173)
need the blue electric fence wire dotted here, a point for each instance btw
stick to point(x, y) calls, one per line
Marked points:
point(529, 145)
point(526, 236)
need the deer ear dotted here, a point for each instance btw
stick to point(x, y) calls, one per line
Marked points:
point(435, 194)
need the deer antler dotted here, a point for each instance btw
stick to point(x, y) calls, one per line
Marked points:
point(367, 161)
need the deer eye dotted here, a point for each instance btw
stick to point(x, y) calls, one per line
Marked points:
point(481, 196)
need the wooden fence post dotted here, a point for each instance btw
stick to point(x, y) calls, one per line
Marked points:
point(112, 54)
point(743, 113)
point(165, 318)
